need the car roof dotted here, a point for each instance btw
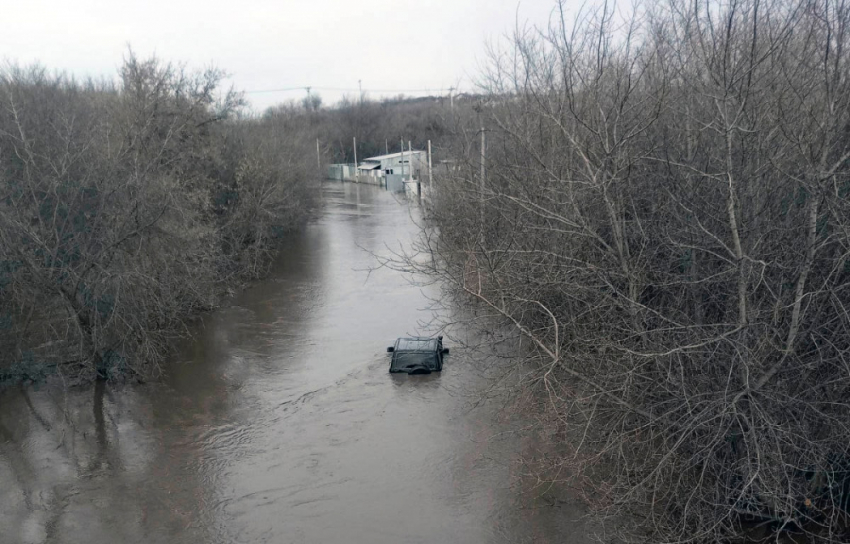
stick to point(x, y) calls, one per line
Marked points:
point(416, 344)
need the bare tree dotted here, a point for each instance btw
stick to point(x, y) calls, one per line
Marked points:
point(112, 226)
point(663, 220)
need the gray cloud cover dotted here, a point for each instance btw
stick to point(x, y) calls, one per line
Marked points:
point(265, 44)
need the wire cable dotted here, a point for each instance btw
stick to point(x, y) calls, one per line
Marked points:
point(348, 89)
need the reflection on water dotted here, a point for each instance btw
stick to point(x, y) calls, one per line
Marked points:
point(279, 422)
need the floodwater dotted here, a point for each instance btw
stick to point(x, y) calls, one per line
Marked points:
point(279, 422)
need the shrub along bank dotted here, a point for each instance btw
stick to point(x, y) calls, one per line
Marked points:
point(128, 206)
point(664, 214)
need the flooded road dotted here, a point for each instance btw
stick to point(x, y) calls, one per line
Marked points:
point(279, 422)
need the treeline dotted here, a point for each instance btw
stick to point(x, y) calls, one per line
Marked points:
point(664, 214)
point(378, 125)
point(381, 126)
point(126, 207)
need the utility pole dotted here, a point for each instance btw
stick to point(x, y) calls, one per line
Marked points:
point(430, 173)
point(318, 156)
point(360, 86)
point(386, 146)
point(483, 147)
point(452, 104)
point(355, 159)
point(418, 182)
point(402, 161)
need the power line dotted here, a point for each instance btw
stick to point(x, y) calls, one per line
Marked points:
point(348, 89)
point(280, 90)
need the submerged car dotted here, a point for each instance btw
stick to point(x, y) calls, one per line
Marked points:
point(417, 355)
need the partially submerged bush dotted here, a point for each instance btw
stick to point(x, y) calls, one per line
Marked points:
point(111, 233)
point(665, 216)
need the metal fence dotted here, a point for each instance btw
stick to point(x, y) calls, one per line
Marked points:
point(342, 172)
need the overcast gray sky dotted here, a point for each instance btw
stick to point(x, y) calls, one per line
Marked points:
point(272, 44)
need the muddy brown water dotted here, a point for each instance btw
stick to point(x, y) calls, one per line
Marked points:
point(279, 422)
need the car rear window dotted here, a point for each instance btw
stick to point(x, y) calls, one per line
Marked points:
point(403, 360)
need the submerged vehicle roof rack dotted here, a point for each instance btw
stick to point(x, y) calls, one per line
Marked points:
point(417, 355)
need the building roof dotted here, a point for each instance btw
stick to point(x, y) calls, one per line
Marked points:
point(391, 155)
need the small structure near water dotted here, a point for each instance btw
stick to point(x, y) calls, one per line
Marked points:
point(397, 172)
point(410, 164)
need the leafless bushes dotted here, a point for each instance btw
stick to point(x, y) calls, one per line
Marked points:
point(124, 208)
point(665, 217)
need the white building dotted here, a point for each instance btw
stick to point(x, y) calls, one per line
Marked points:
point(409, 163)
